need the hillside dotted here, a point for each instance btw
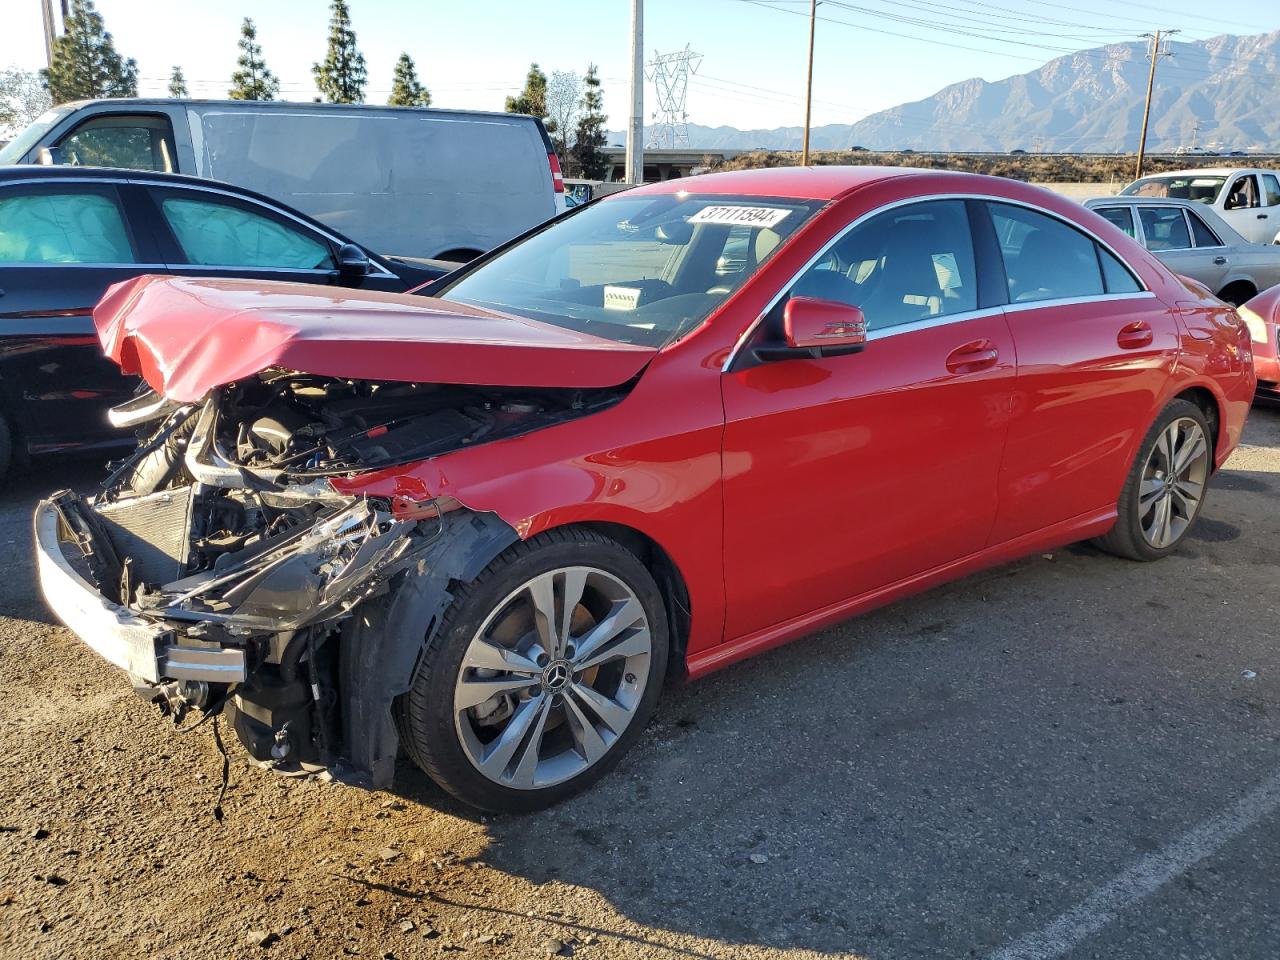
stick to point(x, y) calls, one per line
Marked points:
point(1089, 101)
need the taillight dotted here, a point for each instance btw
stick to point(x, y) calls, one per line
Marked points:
point(557, 178)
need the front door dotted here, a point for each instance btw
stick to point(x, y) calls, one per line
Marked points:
point(844, 474)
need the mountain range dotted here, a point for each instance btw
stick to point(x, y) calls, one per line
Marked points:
point(1222, 92)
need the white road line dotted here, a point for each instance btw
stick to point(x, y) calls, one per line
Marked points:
point(1143, 878)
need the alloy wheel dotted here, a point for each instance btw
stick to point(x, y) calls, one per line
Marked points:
point(1173, 480)
point(553, 677)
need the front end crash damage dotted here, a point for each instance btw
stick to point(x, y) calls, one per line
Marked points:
point(221, 569)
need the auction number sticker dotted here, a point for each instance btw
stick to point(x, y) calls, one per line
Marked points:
point(767, 217)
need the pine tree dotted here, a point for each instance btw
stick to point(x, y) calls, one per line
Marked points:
point(406, 90)
point(85, 63)
point(533, 98)
point(588, 148)
point(341, 78)
point(178, 84)
point(252, 81)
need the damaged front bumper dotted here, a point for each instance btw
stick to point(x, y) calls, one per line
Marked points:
point(216, 626)
point(145, 649)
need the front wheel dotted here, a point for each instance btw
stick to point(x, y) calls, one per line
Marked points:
point(543, 672)
point(1165, 489)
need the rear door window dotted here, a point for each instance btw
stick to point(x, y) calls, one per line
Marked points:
point(216, 232)
point(1044, 258)
point(1165, 228)
point(1201, 232)
point(72, 224)
point(130, 141)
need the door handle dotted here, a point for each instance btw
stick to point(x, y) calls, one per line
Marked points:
point(972, 357)
point(1262, 216)
point(1133, 336)
point(1220, 260)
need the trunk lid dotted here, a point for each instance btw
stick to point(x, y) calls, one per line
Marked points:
point(185, 336)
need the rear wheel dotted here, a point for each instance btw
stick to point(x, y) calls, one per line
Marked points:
point(1165, 489)
point(543, 672)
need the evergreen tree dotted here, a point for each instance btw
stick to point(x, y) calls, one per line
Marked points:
point(588, 148)
point(252, 81)
point(85, 63)
point(178, 84)
point(406, 91)
point(533, 98)
point(341, 78)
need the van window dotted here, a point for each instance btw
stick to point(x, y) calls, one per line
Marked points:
point(402, 182)
point(74, 224)
point(1242, 194)
point(217, 234)
point(130, 142)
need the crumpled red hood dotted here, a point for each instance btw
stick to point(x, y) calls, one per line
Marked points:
point(186, 336)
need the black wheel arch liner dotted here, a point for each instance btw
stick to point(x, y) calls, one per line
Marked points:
point(384, 638)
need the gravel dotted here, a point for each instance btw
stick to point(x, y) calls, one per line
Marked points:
point(936, 779)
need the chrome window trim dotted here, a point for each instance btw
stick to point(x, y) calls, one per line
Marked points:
point(82, 264)
point(1072, 301)
point(142, 181)
point(953, 317)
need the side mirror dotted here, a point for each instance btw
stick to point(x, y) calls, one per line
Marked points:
point(50, 157)
point(809, 323)
point(352, 261)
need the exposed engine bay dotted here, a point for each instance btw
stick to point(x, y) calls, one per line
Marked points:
point(222, 529)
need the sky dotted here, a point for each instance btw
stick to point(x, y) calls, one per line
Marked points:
point(869, 54)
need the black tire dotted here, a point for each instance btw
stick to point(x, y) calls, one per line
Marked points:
point(424, 715)
point(1126, 538)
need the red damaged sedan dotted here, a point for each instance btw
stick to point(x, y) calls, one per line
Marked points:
point(670, 430)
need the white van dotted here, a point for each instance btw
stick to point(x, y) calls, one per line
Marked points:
point(442, 184)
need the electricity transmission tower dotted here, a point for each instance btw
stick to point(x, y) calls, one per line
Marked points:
point(670, 74)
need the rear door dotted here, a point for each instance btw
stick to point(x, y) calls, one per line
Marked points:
point(62, 243)
point(1095, 350)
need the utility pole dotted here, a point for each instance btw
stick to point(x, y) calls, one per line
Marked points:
point(808, 90)
point(1151, 82)
point(50, 31)
point(635, 130)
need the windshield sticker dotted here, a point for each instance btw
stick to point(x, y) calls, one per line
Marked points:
point(766, 217)
point(621, 298)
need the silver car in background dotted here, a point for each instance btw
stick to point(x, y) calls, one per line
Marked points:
point(1194, 241)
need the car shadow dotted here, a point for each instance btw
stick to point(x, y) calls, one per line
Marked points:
point(931, 779)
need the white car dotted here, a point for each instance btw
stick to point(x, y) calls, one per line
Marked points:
point(1193, 241)
point(1248, 199)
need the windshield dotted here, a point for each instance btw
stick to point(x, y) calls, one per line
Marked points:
point(28, 138)
point(1202, 188)
point(635, 269)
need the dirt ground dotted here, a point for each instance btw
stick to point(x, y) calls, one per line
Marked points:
point(1068, 756)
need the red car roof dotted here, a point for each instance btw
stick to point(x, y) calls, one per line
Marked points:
point(797, 183)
